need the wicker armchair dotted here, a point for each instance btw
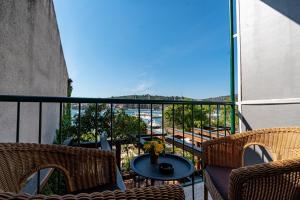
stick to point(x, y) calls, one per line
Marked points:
point(83, 169)
point(159, 193)
point(225, 176)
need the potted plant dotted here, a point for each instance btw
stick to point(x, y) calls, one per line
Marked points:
point(154, 148)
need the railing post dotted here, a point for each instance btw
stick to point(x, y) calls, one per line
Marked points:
point(232, 90)
point(162, 122)
point(118, 154)
point(225, 124)
point(139, 133)
point(173, 127)
point(111, 125)
point(18, 123)
point(60, 123)
point(218, 120)
point(96, 126)
point(79, 124)
point(193, 153)
point(39, 141)
point(183, 131)
point(209, 121)
point(151, 118)
point(40, 122)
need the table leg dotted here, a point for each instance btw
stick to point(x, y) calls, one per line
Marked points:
point(152, 182)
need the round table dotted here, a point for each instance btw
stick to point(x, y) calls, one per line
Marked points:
point(142, 166)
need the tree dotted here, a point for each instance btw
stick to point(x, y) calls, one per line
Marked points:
point(66, 122)
point(125, 127)
point(179, 118)
point(88, 121)
point(205, 115)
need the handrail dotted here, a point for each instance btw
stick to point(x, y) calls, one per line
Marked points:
point(52, 99)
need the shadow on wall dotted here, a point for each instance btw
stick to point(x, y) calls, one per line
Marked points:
point(244, 121)
point(289, 8)
point(256, 154)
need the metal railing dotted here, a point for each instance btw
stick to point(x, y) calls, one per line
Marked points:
point(174, 135)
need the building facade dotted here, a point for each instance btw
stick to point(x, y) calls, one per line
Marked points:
point(268, 63)
point(31, 63)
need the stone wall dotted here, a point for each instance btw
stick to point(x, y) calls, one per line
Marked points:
point(31, 63)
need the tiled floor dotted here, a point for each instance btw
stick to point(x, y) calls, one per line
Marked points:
point(198, 192)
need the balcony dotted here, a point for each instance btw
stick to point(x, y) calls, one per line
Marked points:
point(100, 138)
point(194, 123)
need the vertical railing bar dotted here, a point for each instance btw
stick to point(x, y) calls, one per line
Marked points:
point(58, 179)
point(139, 142)
point(173, 128)
point(39, 141)
point(201, 123)
point(232, 119)
point(183, 119)
point(96, 126)
point(209, 120)
point(162, 122)
point(60, 122)
point(40, 122)
point(225, 117)
point(111, 124)
point(38, 181)
point(151, 129)
point(193, 143)
point(218, 120)
point(139, 133)
point(18, 123)
point(79, 124)
point(60, 140)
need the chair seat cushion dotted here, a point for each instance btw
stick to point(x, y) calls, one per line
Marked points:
point(220, 178)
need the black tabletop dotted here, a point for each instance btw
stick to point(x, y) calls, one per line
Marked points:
point(142, 166)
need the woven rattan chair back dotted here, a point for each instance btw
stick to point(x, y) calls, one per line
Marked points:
point(83, 168)
point(282, 143)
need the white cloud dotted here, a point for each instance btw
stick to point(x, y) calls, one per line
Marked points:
point(143, 87)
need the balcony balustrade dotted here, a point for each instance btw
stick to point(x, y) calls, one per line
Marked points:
point(189, 123)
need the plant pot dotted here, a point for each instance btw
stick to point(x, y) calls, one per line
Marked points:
point(153, 158)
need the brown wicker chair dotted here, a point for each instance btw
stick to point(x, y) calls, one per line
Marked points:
point(225, 177)
point(83, 168)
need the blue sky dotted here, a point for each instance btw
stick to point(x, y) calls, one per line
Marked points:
point(160, 47)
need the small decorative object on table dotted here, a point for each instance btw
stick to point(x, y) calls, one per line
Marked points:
point(166, 168)
point(154, 148)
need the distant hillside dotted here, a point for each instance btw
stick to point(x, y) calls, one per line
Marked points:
point(154, 97)
point(220, 98)
point(151, 97)
point(177, 98)
point(147, 97)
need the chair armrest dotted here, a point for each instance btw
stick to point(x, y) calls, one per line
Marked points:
point(105, 146)
point(225, 151)
point(166, 192)
point(263, 181)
